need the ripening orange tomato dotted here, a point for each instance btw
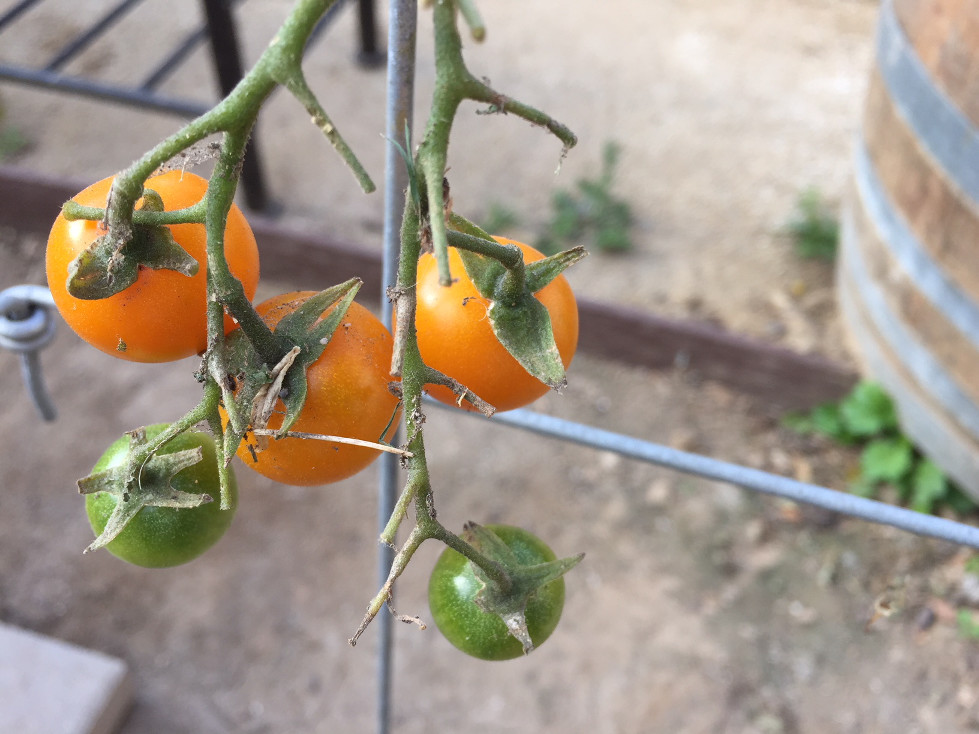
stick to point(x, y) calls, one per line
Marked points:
point(456, 338)
point(347, 396)
point(162, 316)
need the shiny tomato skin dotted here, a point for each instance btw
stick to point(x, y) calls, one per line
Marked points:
point(456, 338)
point(160, 537)
point(162, 316)
point(452, 590)
point(348, 396)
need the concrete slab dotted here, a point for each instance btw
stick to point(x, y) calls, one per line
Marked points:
point(48, 686)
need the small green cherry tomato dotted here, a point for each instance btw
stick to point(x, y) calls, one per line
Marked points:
point(452, 591)
point(158, 537)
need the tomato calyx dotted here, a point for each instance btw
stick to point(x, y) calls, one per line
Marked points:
point(520, 322)
point(509, 600)
point(108, 267)
point(251, 395)
point(145, 485)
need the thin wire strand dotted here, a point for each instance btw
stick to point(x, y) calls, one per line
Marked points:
point(755, 479)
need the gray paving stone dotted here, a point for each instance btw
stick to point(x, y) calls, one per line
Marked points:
point(48, 686)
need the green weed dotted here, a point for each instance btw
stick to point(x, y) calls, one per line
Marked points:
point(866, 418)
point(814, 230)
point(591, 214)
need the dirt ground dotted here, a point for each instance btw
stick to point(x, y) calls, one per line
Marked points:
point(700, 607)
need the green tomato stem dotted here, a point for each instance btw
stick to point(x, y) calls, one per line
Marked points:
point(224, 289)
point(138, 459)
point(471, 15)
point(454, 83)
point(189, 215)
point(510, 288)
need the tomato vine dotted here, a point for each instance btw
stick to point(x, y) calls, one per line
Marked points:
point(266, 362)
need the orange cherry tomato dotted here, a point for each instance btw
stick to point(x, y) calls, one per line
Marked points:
point(347, 396)
point(162, 316)
point(456, 338)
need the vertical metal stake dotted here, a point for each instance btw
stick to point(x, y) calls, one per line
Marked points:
point(402, 21)
point(227, 62)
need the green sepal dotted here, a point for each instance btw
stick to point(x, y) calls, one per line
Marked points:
point(485, 272)
point(520, 322)
point(460, 224)
point(524, 328)
point(525, 331)
point(510, 603)
point(250, 387)
point(540, 273)
point(240, 372)
point(302, 329)
point(150, 488)
point(108, 267)
point(226, 480)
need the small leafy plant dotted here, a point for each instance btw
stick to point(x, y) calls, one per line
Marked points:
point(967, 624)
point(499, 218)
point(815, 231)
point(867, 418)
point(591, 213)
point(12, 140)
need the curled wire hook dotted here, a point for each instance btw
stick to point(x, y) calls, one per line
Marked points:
point(27, 325)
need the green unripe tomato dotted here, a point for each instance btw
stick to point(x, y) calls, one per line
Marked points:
point(158, 537)
point(452, 591)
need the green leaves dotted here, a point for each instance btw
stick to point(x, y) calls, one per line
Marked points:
point(886, 459)
point(928, 485)
point(592, 211)
point(107, 268)
point(867, 418)
point(814, 230)
point(868, 411)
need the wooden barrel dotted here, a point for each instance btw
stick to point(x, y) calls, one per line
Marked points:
point(908, 272)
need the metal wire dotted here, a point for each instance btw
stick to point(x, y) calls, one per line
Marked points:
point(760, 481)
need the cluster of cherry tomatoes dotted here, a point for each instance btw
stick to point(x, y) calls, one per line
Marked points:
point(162, 317)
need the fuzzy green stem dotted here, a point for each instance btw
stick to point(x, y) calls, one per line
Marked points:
point(454, 83)
point(144, 217)
point(236, 112)
point(452, 79)
point(224, 289)
point(383, 596)
point(511, 286)
point(493, 570)
point(138, 459)
point(212, 394)
point(475, 22)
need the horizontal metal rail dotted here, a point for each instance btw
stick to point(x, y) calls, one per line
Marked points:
point(87, 37)
point(723, 471)
point(136, 97)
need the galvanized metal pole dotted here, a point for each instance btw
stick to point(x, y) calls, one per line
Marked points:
point(402, 22)
point(760, 481)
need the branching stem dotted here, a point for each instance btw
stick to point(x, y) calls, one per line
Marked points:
point(423, 220)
